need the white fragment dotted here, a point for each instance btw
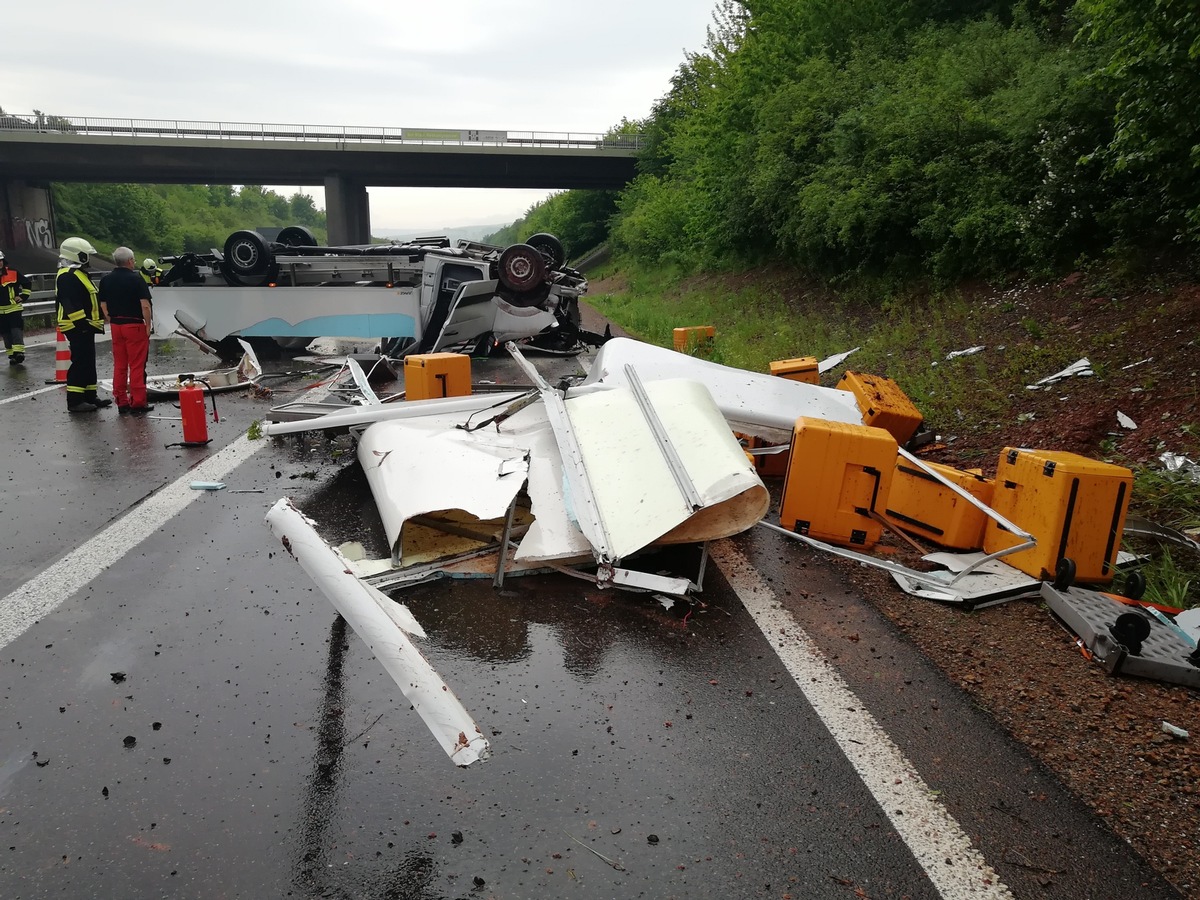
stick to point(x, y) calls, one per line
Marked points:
point(1125, 422)
point(968, 352)
point(1174, 730)
point(1081, 368)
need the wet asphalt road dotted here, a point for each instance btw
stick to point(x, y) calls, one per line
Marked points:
point(195, 721)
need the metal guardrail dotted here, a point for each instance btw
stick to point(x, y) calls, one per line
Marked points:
point(179, 128)
point(38, 308)
point(41, 300)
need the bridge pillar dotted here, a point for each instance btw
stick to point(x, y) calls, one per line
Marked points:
point(27, 225)
point(347, 210)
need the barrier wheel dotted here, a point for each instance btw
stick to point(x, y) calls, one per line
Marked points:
point(1135, 585)
point(1064, 574)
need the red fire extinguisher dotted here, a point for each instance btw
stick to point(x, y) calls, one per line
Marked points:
point(195, 422)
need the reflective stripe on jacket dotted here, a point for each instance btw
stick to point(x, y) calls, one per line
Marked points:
point(12, 292)
point(75, 307)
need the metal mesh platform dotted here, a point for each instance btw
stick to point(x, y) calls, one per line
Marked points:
point(1164, 654)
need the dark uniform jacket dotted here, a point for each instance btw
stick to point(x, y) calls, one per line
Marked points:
point(78, 306)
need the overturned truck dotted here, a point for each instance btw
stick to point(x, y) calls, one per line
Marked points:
point(418, 296)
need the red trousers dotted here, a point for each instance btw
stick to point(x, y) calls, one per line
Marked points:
point(130, 347)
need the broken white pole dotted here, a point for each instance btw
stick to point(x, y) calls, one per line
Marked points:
point(358, 604)
point(388, 412)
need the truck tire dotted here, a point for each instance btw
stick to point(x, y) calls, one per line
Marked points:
point(247, 255)
point(296, 236)
point(550, 247)
point(521, 268)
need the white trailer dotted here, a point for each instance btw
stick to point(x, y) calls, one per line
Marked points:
point(419, 296)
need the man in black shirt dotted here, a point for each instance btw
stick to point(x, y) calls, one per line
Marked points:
point(125, 302)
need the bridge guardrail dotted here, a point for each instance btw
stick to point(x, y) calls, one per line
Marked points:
point(178, 128)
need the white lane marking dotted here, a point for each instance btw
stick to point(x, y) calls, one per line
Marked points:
point(46, 591)
point(957, 870)
point(26, 396)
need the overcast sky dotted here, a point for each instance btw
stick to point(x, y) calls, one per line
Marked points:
point(506, 65)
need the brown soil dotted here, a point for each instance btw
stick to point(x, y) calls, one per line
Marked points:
point(1102, 735)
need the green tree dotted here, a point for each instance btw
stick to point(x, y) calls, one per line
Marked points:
point(1154, 73)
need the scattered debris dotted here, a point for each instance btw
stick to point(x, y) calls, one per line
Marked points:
point(616, 864)
point(1175, 730)
point(832, 362)
point(117, 677)
point(970, 351)
point(1125, 422)
point(1180, 465)
point(207, 486)
point(1080, 369)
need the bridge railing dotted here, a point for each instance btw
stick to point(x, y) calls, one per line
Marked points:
point(246, 131)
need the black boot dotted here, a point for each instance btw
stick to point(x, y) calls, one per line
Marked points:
point(90, 397)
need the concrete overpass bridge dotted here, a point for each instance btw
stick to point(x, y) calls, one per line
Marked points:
point(35, 150)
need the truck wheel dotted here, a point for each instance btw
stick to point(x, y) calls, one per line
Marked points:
point(246, 254)
point(296, 236)
point(521, 268)
point(550, 247)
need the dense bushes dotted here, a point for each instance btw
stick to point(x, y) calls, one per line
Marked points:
point(923, 138)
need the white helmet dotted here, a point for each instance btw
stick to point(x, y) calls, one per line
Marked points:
point(149, 265)
point(76, 250)
point(1, 256)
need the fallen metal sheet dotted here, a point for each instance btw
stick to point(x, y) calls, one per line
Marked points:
point(990, 582)
point(994, 585)
point(359, 604)
point(743, 397)
point(1163, 655)
point(1145, 528)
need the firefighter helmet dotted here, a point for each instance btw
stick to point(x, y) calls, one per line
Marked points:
point(149, 265)
point(76, 250)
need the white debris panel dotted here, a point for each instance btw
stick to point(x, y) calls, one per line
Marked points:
point(743, 397)
point(635, 490)
point(427, 465)
point(360, 605)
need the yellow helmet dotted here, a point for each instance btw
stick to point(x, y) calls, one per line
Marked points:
point(149, 265)
point(76, 250)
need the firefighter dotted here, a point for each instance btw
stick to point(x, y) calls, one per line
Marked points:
point(79, 319)
point(14, 288)
point(151, 273)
